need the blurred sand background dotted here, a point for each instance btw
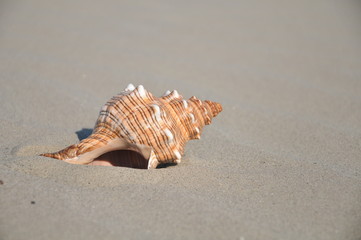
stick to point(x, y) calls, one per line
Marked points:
point(282, 161)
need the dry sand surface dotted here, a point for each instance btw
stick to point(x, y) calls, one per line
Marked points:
point(282, 161)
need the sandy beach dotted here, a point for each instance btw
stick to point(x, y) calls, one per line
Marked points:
point(282, 161)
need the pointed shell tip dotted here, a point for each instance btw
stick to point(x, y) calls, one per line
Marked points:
point(215, 107)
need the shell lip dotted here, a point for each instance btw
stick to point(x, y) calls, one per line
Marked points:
point(117, 152)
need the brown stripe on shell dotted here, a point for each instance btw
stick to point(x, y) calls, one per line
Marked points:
point(176, 128)
point(158, 146)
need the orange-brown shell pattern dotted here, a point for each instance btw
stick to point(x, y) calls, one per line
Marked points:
point(137, 117)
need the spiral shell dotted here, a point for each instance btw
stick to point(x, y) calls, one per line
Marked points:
point(136, 129)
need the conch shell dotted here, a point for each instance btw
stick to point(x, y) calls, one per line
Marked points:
point(136, 129)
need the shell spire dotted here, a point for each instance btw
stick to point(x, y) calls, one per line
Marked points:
point(215, 107)
point(136, 129)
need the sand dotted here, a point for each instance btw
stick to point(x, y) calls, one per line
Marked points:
point(282, 161)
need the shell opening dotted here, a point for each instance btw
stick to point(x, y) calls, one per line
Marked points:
point(122, 158)
point(123, 154)
point(117, 152)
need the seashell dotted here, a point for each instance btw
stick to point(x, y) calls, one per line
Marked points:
point(136, 129)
